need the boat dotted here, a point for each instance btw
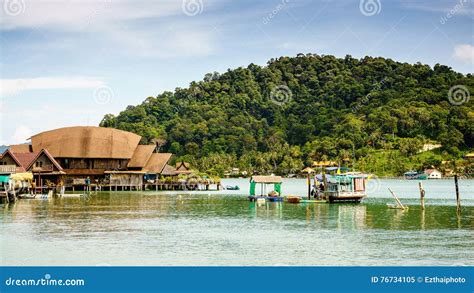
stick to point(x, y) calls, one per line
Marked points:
point(293, 199)
point(264, 182)
point(265, 198)
point(414, 175)
point(229, 187)
point(345, 187)
point(274, 198)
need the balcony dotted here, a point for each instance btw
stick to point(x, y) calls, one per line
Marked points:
point(7, 169)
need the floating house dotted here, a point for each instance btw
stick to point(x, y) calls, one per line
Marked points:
point(345, 187)
point(263, 192)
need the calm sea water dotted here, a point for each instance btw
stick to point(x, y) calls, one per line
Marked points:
point(224, 228)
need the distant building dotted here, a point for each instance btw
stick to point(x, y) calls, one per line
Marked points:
point(430, 146)
point(433, 174)
point(469, 156)
point(183, 168)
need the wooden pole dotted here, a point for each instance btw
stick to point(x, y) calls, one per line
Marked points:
point(458, 199)
point(422, 196)
point(396, 198)
point(325, 193)
point(309, 186)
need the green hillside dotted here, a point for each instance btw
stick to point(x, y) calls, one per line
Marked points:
point(277, 118)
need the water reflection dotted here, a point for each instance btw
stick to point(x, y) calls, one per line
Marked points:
point(198, 229)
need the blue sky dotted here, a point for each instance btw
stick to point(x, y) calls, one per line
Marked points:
point(65, 63)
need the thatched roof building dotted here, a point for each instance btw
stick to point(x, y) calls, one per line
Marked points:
point(87, 151)
point(87, 142)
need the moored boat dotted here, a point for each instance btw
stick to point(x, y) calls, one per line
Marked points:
point(293, 199)
point(345, 187)
point(229, 187)
point(414, 175)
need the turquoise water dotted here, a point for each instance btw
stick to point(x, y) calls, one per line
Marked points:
point(224, 228)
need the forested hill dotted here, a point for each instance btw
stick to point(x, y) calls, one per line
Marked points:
point(282, 116)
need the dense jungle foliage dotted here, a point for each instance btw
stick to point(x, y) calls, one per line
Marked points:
point(373, 114)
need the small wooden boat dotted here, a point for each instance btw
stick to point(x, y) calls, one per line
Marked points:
point(293, 199)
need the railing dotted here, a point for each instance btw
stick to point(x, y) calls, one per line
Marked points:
point(7, 168)
point(43, 169)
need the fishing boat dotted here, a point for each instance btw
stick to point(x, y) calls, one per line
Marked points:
point(415, 175)
point(229, 187)
point(349, 187)
point(264, 183)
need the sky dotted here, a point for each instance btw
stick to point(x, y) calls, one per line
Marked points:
point(67, 63)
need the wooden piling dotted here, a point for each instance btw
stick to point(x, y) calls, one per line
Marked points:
point(396, 199)
point(422, 196)
point(309, 186)
point(458, 199)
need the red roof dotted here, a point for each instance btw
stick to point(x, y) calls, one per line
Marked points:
point(25, 158)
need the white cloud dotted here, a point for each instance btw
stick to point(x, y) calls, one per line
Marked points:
point(461, 7)
point(464, 53)
point(22, 133)
point(80, 14)
point(10, 87)
point(173, 41)
point(142, 28)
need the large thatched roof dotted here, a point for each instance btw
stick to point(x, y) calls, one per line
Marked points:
point(20, 148)
point(87, 142)
point(141, 155)
point(157, 162)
